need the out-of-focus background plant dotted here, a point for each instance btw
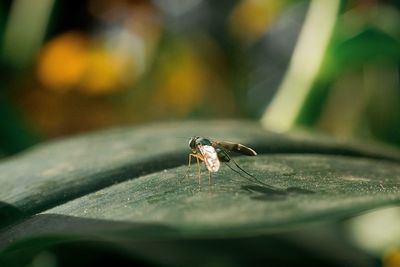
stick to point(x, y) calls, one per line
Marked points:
point(73, 66)
point(327, 66)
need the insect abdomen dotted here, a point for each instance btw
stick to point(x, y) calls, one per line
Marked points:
point(222, 155)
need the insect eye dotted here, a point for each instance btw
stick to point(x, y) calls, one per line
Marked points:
point(192, 143)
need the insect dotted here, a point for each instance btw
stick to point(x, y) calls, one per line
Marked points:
point(215, 152)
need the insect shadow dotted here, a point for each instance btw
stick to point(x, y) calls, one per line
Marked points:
point(268, 193)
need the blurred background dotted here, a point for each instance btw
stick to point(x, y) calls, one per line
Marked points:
point(72, 66)
point(328, 66)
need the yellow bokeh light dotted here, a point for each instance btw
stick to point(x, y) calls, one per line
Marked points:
point(250, 19)
point(391, 258)
point(102, 74)
point(64, 61)
point(183, 82)
point(74, 62)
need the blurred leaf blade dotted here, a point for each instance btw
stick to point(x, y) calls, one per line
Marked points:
point(63, 170)
point(128, 186)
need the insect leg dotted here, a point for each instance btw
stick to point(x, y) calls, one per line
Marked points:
point(188, 167)
point(230, 167)
point(191, 155)
point(255, 179)
point(198, 165)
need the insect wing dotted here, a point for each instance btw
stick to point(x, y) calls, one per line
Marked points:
point(210, 157)
point(239, 148)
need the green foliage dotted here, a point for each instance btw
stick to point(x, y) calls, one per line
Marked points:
point(365, 47)
point(122, 196)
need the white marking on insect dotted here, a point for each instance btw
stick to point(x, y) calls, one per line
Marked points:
point(210, 157)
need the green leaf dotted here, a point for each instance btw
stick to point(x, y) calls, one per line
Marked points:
point(125, 191)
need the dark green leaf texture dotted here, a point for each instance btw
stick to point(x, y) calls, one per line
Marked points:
point(125, 191)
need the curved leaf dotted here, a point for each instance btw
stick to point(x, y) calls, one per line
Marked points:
point(127, 187)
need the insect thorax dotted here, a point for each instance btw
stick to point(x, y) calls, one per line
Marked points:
point(203, 141)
